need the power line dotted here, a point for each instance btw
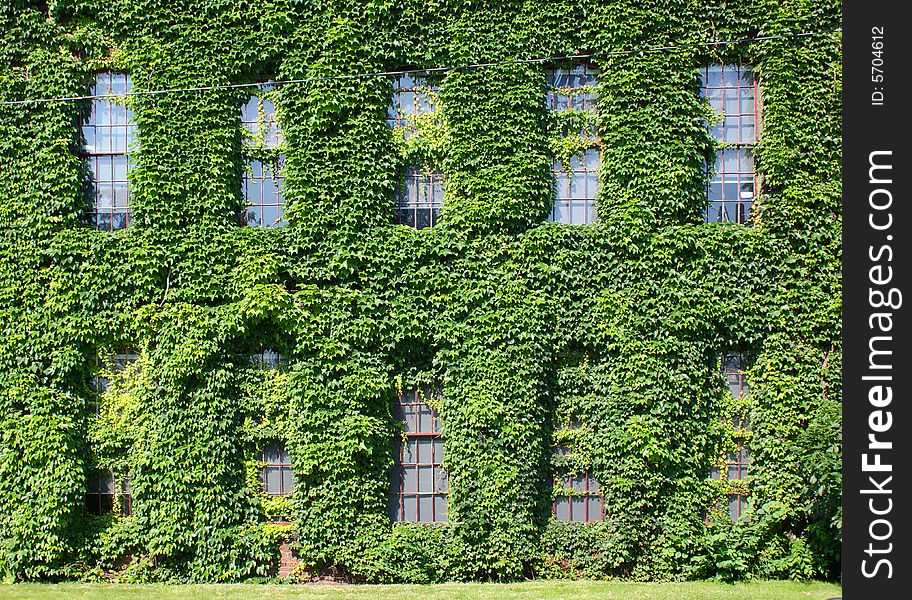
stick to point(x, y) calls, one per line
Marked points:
point(232, 86)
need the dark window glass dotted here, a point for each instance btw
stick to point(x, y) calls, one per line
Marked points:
point(109, 133)
point(732, 93)
point(419, 485)
point(277, 476)
point(100, 494)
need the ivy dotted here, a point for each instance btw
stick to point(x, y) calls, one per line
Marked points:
point(530, 327)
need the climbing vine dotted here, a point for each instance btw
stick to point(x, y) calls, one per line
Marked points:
point(603, 339)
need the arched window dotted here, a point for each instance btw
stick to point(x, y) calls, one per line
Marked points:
point(277, 477)
point(109, 133)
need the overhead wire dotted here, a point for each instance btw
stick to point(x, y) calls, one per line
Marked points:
point(424, 70)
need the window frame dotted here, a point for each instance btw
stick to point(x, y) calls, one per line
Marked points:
point(398, 495)
point(563, 176)
point(742, 215)
point(127, 132)
point(263, 145)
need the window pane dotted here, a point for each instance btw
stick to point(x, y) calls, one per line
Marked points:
point(579, 508)
point(287, 481)
point(595, 508)
point(273, 480)
point(426, 479)
point(409, 508)
point(562, 508)
point(425, 509)
point(410, 479)
point(440, 509)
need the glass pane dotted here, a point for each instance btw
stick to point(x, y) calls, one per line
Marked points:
point(438, 451)
point(424, 450)
point(103, 221)
point(440, 509)
point(120, 195)
point(410, 479)
point(118, 220)
point(423, 218)
point(733, 511)
point(579, 508)
point(287, 481)
point(425, 509)
point(409, 508)
point(595, 508)
point(592, 213)
point(270, 214)
point(424, 418)
point(561, 212)
point(425, 479)
point(562, 508)
point(441, 481)
point(411, 451)
point(273, 480)
point(577, 212)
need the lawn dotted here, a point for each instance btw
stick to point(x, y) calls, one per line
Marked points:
point(531, 590)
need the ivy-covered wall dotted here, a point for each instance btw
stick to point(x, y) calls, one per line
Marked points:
point(527, 325)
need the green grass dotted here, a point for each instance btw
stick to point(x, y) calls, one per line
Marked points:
point(532, 590)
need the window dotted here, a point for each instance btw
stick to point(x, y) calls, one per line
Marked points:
point(412, 96)
point(583, 504)
point(100, 494)
point(737, 461)
point(575, 185)
point(419, 483)
point(732, 182)
point(277, 477)
point(119, 362)
point(109, 133)
point(571, 96)
point(264, 163)
point(578, 496)
point(267, 359)
point(420, 196)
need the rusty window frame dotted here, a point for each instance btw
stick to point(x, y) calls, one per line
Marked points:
point(414, 496)
point(275, 458)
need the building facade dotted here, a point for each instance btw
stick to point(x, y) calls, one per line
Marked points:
point(420, 291)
